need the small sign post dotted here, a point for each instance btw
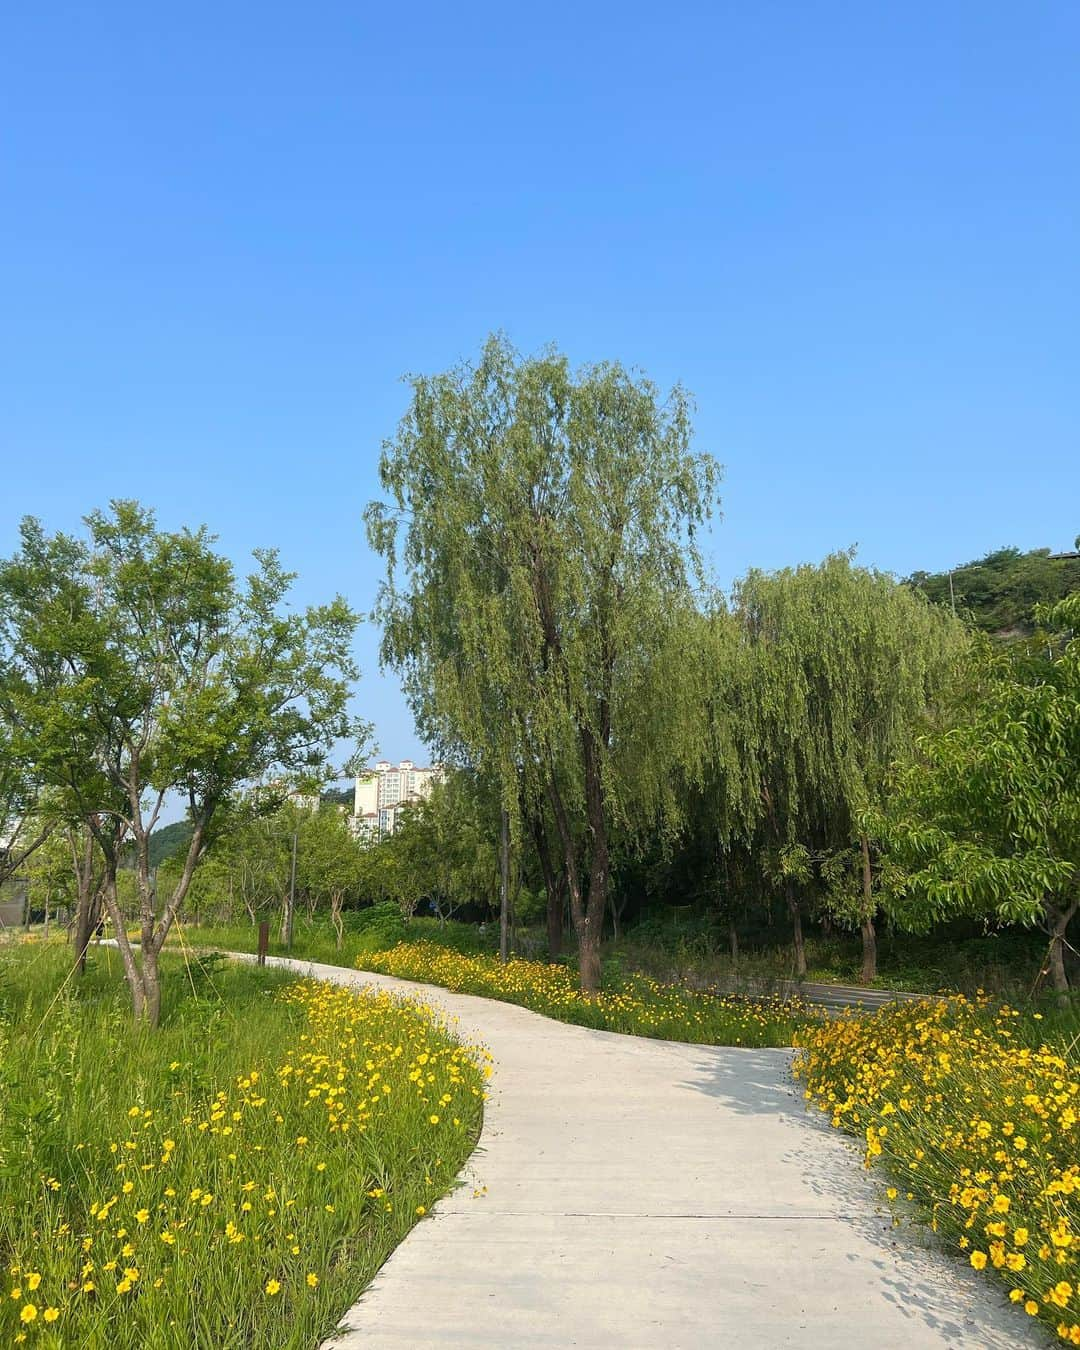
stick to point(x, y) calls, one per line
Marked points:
point(264, 941)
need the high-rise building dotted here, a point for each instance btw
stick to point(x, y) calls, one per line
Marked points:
point(383, 790)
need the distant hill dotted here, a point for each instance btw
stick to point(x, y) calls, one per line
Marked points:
point(341, 796)
point(998, 593)
point(168, 840)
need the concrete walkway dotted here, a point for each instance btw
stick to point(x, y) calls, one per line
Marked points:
point(650, 1194)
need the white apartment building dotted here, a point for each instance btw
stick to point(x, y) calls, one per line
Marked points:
point(383, 790)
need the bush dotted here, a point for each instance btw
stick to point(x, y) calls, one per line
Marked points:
point(377, 926)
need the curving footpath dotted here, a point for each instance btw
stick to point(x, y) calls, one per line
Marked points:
point(651, 1194)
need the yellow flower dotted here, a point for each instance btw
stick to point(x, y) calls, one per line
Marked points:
point(273, 1287)
point(1031, 1308)
point(51, 1314)
point(33, 1279)
point(978, 1260)
point(28, 1313)
point(312, 1279)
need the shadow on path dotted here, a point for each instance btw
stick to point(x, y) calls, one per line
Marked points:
point(911, 1268)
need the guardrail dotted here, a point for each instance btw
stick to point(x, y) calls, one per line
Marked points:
point(832, 997)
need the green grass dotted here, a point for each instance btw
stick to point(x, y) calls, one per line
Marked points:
point(957, 959)
point(268, 1132)
point(367, 930)
point(695, 953)
point(457, 956)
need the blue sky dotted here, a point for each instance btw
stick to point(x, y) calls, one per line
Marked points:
point(851, 230)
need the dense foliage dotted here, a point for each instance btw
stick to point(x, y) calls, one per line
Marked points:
point(998, 593)
point(986, 818)
point(135, 666)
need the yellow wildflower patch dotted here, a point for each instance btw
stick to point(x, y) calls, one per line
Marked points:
point(638, 1006)
point(953, 1144)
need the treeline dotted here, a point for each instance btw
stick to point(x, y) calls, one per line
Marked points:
point(825, 733)
point(618, 734)
point(999, 593)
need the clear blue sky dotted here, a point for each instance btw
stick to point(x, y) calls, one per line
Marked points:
point(850, 229)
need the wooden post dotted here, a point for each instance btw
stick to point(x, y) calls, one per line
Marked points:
point(264, 940)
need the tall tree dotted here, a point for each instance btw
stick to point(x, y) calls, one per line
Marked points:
point(330, 863)
point(848, 663)
point(179, 680)
point(546, 525)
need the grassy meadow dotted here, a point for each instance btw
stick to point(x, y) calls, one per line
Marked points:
point(231, 1180)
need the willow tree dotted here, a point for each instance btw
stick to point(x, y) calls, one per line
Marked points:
point(848, 662)
point(540, 539)
point(724, 808)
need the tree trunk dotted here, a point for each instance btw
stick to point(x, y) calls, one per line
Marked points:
point(1058, 923)
point(127, 956)
point(555, 905)
point(335, 917)
point(589, 959)
point(795, 910)
point(868, 973)
point(87, 902)
point(504, 886)
point(554, 886)
point(733, 934)
point(151, 983)
point(599, 867)
point(586, 927)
